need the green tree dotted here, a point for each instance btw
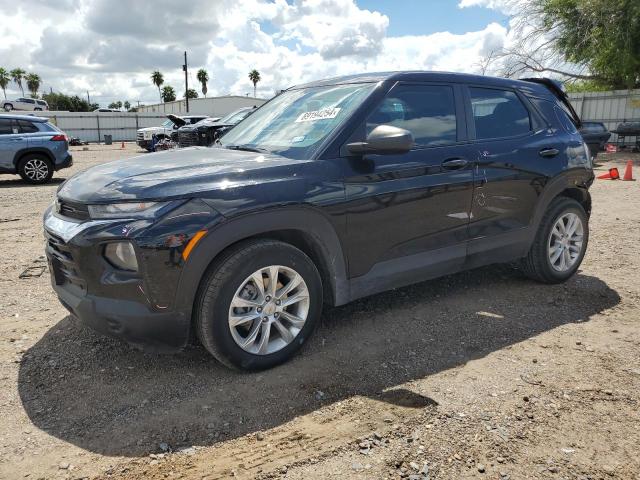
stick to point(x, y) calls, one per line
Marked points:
point(17, 75)
point(191, 93)
point(203, 78)
point(602, 35)
point(168, 94)
point(593, 41)
point(157, 79)
point(113, 105)
point(254, 76)
point(4, 81)
point(33, 83)
point(60, 101)
point(127, 105)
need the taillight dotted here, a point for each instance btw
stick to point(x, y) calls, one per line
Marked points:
point(59, 138)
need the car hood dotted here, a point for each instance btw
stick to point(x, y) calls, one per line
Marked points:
point(176, 174)
point(199, 125)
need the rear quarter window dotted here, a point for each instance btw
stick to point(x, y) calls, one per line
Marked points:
point(564, 120)
point(25, 126)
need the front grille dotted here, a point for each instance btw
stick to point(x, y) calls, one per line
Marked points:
point(63, 265)
point(139, 136)
point(187, 139)
point(77, 211)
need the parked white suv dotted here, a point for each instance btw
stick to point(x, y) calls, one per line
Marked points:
point(23, 103)
point(144, 136)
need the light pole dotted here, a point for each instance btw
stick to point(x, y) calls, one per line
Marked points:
point(186, 81)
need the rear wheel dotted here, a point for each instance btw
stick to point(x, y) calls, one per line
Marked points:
point(8, 107)
point(560, 243)
point(258, 304)
point(35, 169)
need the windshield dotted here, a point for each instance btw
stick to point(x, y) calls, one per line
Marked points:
point(295, 123)
point(167, 124)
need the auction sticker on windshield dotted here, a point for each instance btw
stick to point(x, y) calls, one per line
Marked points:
point(318, 115)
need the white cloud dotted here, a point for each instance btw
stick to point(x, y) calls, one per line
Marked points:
point(110, 47)
point(505, 6)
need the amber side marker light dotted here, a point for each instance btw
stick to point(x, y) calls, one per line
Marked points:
point(192, 243)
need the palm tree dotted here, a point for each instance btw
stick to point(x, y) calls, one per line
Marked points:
point(4, 81)
point(17, 74)
point(158, 79)
point(127, 105)
point(203, 78)
point(254, 76)
point(191, 93)
point(33, 83)
point(168, 94)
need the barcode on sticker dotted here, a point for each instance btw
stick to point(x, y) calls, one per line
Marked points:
point(318, 115)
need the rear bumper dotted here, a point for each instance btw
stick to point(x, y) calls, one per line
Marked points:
point(65, 163)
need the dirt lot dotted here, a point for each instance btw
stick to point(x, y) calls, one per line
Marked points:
point(483, 374)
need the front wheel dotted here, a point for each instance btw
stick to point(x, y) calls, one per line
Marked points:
point(8, 107)
point(258, 304)
point(560, 243)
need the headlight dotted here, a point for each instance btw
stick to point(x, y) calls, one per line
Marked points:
point(126, 210)
point(121, 255)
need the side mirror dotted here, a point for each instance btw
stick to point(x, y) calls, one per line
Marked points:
point(384, 139)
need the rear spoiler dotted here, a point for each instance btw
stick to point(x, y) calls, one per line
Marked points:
point(556, 88)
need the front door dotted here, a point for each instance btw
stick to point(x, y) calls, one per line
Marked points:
point(408, 214)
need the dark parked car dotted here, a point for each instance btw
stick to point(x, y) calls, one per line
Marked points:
point(595, 135)
point(329, 192)
point(32, 147)
point(207, 131)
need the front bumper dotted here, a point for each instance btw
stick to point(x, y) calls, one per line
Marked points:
point(146, 144)
point(65, 163)
point(139, 308)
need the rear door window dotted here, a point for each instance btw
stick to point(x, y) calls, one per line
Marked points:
point(498, 113)
point(427, 111)
point(27, 127)
point(5, 126)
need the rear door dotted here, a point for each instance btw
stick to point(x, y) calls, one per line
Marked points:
point(10, 142)
point(514, 155)
point(408, 213)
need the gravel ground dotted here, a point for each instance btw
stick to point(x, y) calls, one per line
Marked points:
point(482, 374)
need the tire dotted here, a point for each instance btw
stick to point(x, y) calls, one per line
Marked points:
point(538, 263)
point(8, 107)
point(35, 169)
point(227, 278)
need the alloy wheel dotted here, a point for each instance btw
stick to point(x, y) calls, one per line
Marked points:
point(565, 242)
point(36, 169)
point(268, 310)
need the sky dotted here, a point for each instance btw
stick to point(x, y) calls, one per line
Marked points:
point(110, 47)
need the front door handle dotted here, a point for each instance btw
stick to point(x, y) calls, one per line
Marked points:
point(549, 152)
point(455, 163)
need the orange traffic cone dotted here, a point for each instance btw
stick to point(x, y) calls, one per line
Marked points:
point(612, 174)
point(628, 173)
point(122, 146)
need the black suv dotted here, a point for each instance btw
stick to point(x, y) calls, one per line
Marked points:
point(207, 131)
point(329, 192)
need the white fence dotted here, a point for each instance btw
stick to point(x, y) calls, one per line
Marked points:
point(212, 106)
point(610, 108)
point(92, 127)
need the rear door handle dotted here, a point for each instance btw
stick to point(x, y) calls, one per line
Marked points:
point(549, 152)
point(455, 163)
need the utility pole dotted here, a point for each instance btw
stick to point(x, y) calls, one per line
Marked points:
point(186, 81)
point(88, 98)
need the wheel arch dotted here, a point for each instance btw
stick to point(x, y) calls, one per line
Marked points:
point(304, 228)
point(20, 154)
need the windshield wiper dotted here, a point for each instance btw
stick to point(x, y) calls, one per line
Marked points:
point(247, 148)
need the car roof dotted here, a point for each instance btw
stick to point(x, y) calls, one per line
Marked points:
point(429, 76)
point(31, 118)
